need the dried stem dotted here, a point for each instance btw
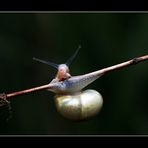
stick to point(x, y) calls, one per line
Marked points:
point(125, 64)
point(121, 65)
point(103, 71)
point(43, 87)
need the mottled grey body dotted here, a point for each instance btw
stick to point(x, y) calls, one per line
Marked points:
point(74, 84)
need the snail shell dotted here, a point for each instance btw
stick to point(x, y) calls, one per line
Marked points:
point(79, 106)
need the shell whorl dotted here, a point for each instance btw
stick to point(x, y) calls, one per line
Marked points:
point(80, 106)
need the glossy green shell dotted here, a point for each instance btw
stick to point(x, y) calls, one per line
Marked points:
point(79, 106)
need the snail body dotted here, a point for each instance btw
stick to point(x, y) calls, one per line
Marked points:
point(74, 103)
point(70, 100)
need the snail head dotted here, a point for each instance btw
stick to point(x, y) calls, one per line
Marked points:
point(63, 69)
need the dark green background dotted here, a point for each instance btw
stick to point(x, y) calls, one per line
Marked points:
point(106, 39)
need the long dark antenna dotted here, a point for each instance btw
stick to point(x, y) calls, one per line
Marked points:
point(70, 60)
point(46, 62)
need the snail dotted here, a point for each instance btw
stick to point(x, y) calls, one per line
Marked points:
point(71, 101)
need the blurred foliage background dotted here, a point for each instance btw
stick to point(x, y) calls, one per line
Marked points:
point(106, 39)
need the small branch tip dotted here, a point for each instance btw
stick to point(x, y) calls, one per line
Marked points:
point(3, 96)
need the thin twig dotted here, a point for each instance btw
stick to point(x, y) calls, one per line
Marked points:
point(43, 87)
point(102, 71)
point(125, 64)
point(121, 65)
point(5, 96)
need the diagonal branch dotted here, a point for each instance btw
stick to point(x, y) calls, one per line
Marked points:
point(4, 96)
point(125, 64)
point(121, 65)
point(134, 61)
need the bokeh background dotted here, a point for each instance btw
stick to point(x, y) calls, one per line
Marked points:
point(106, 39)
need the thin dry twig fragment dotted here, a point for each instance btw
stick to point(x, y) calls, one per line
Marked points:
point(4, 96)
